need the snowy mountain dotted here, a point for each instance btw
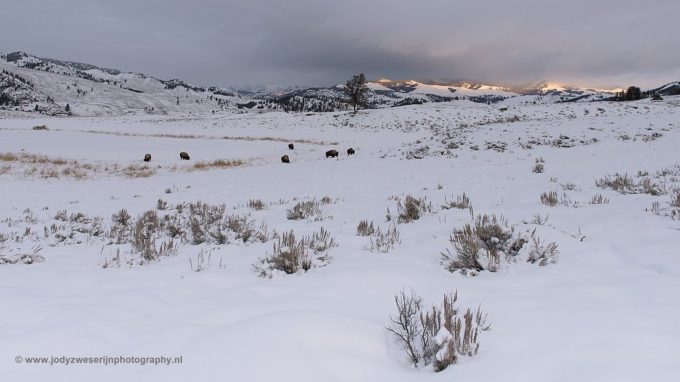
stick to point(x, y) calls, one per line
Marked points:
point(555, 92)
point(53, 87)
point(392, 93)
point(672, 88)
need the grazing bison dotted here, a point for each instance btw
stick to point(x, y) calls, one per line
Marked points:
point(350, 151)
point(291, 146)
point(147, 158)
point(183, 155)
point(285, 159)
point(331, 153)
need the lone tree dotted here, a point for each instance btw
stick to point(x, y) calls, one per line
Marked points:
point(356, 90)
point(633, 93)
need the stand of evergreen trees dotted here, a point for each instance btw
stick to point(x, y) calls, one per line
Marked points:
point(633, 93)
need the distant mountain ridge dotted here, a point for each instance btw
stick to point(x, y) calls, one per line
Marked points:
point(58, 87)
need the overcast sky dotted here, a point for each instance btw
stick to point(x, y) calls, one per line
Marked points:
point(316, 42)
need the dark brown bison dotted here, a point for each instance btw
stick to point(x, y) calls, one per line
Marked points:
point(291, 146)
point(285, 159)
point(183, 155)
point(147, 158)
point(331, 154)
point(350, 151)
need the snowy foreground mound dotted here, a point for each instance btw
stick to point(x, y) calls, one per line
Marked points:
point(556, 225)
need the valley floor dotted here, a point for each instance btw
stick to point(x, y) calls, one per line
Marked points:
point(605, 308)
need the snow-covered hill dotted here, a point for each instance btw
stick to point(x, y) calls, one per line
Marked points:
point(391, 93)
point(30, 83)
point(672, 88)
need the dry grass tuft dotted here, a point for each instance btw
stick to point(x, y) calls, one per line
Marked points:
point(412, 209)
point(256, 204)
point(599, 199)
point(384, 241)
point(462, 202)
point(364, 228)
point(541, 252)
point(291, 256)
point(305, 210)
point(138, 171)
point(8, 157)
point(549, 198)
point(218, 164)
point(479, 246)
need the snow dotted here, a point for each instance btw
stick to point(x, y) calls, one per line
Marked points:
point(607, 310)
point(126, 93)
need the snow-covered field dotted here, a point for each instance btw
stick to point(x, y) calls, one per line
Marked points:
point(605, 308)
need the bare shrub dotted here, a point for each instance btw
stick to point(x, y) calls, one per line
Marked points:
point(120, 227)
point(479, 246)
point(492, 230)
point(461, 202)
point(40, 127)
point(305, 210)
point(61, 215)
point(675, 199)
point(649, 187)
point(539, 220)
point(200, 222)
point(467, 250)
point(625, 184)
point(143, 235)
point(161, 205)
point(405, 325)
point(617, 182)
point(385, 241)
point(256, 204)
point(436, 336)
point(197, 232)
point(364, 228)
point(320, 241)
point(291, 256)
point(412, 209)
point(549, 198)
point(538, 168)
point(599, 199)
point(243, 226)
point(569, 186)
point(541, 252)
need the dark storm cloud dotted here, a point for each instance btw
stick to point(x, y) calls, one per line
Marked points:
point(305, 42)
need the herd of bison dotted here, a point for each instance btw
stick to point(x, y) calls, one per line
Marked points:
point(285, 159)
